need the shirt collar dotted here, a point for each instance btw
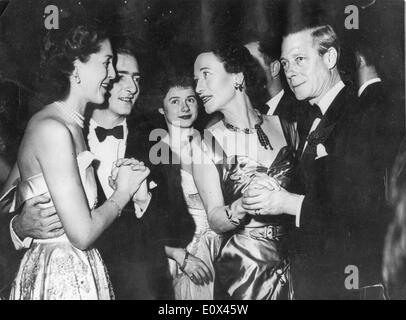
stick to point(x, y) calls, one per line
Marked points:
point(273, 102)
point(328, 98)
point(366, 84)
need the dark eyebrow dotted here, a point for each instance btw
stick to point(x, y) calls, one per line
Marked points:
point(129, 73)
point(204, 68)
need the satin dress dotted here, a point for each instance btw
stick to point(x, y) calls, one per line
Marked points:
point(253, 263)
point(53, 269)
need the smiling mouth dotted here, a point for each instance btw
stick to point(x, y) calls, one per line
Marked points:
point(105, 86)
point(126, 99)
point(186, 117)
point(205, 99)
point(294, 86)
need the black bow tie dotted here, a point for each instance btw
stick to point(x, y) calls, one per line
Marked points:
point(116, 132)
point(315, 112)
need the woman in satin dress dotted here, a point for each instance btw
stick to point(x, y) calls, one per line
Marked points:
point(240, 159)
point(53, 159)
point(191, 266)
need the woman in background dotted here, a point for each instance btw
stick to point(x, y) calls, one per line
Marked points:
point(190, 262)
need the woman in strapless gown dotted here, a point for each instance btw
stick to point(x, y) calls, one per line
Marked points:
point(52, 159)
point(244, 152)
point(191, 267)
point(53, 268)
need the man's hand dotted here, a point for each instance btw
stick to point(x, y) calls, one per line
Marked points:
point(259, 199)
point(37, 220)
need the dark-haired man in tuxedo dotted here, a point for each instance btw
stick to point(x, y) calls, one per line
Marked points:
point(281, 102)
point(375, 138)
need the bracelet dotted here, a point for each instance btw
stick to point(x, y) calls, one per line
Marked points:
point(118, 207)
point(185, 260)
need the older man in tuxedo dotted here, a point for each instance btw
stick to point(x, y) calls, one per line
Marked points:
point(328, 224)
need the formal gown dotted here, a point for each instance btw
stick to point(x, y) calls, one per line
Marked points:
point(253, 263)
point(53, 269)
point(205, 243)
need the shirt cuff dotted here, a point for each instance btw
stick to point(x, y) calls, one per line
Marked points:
point(298, 210)
point(18, 244)
point(141, 206)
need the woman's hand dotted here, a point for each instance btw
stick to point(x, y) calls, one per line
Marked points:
point(130, 175)
point(197, 270)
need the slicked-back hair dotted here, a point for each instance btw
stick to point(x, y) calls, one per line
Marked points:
point(324, 38)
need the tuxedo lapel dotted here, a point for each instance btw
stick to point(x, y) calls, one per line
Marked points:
point(287, 107)
point(137, 141)
point(101, 197)
point(334, 114)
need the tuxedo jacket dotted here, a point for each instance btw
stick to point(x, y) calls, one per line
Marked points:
point(288, 107)
point(381, 118)
point(132, 248)
point(375, 138)
point(330, 215)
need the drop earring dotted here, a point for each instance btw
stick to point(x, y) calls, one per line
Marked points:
point(238, 86)
point(77, 78)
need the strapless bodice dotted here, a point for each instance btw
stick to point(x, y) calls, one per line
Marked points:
point(36, 185)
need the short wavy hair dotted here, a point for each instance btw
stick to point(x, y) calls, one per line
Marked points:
point(324, 38)
point(236, 59)
point(58, 56)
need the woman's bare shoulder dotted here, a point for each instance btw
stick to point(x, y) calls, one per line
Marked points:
point(47, 125)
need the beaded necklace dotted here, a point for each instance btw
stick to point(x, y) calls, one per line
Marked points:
point(262, 137)
point(73, 114)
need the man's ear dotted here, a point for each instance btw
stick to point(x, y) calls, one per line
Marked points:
point(275, 68)
point(330, 57)
point(161, 111)
point(360, 60)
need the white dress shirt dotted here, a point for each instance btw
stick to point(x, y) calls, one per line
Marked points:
point(107, 152)
point(273, 102)
point(366, 84)
point(324, 104)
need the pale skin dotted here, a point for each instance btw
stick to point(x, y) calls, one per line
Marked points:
point(216, 87)
point(52, 141)
point(180, 110)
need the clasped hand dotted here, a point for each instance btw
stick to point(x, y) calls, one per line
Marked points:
point(263, 196)
point(128, 174)
point(197, 271)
